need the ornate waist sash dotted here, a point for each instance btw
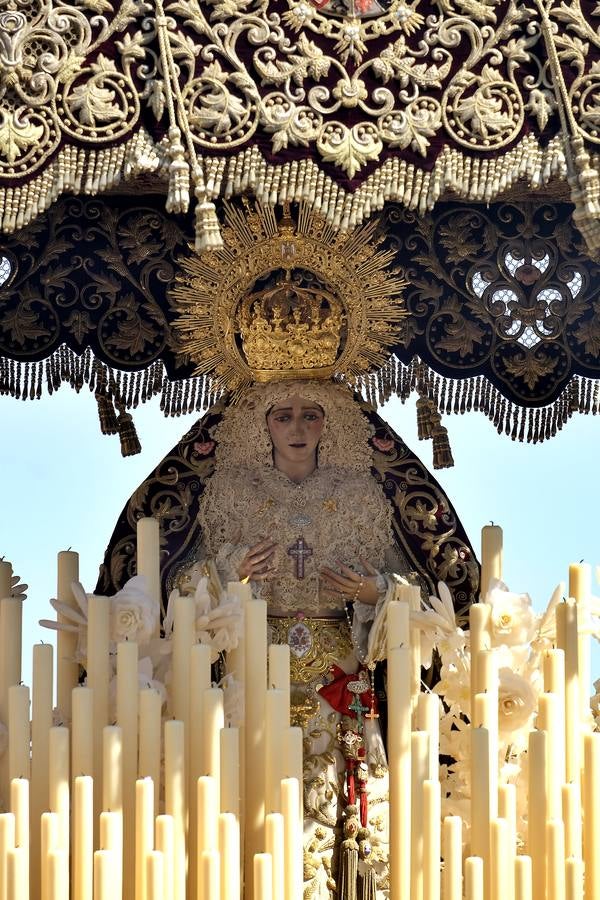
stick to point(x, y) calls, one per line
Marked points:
point(315, 644)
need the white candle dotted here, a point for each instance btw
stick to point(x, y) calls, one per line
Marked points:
point(7, 842)
point(555, 860)
point(452, 851)
point(428, 719)
point(18, 731)
point(500, 876)
point(66, 641)
point(148, 560)
point(208, 813)
point(293, 763)
point(479, 637)
point(399, 749)
point(209, 874)
point(112, 760)
point(480, 793)
point(41, 722)
point(98, 677)
point(58, 875)
point(274, 748)
point(175, 797)
point(200, 680)
point(83, 838)
point(164, 840)
point(236, 657)
point(523, 878)
point(536, 842)
point(274, 844)
point(150, 738)
point(111, 838)
point(144, 832)
point(507, 810)
point(580, 587)
point(184, 620)
point(473, 878)
point(127, 720)
point(491, 557)
point(104, 866)
point(11, 613)
point(566, 633)
point(155, 875)
point(419, 772)
point(398, 624)
point(229, 854)
point(59, 792)
point(19, 806)
point(82, 731)
point(574, 879)
point(230, 764)
point(6, 572)
point(255, 684)
point(292, 838)
point(263, 877)
point(49, 841)
point(571, 814)
point(431, 831)
point(214, 721)
point(486, 716)
point(550, 721)
point(17, 882)
point(279, 672)
point(591, 814)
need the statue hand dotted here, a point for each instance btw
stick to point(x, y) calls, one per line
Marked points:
point(352, 585)
point(256, 564)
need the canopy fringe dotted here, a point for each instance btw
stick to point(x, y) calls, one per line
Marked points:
point(176, 163)
point(116, 392)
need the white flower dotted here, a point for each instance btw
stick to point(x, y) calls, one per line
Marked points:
point(512, 619)
point(134, 615)
point(516, 702)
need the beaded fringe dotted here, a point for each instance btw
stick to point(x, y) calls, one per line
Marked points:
point(116, 392)
point(90, 171)
point(458, 396)
point(119, 392)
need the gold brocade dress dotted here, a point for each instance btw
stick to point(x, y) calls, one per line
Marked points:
point(335, 515)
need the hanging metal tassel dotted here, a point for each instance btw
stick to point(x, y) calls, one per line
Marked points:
point(130, 443)
point(106, 414)
point(442, 454)
point(423, 418)
point(348, 875)
point(367, 886)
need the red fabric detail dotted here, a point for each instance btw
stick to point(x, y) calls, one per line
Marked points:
point(339, 697)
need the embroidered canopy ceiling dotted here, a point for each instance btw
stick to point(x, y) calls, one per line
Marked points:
point(471, 126)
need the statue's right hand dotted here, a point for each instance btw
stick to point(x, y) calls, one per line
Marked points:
point(257, 563)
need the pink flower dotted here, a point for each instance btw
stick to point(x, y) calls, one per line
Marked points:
point(383, 444)
point(204, 447)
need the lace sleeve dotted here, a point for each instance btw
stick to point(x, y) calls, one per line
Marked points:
point(366, 613)
point(228, 561)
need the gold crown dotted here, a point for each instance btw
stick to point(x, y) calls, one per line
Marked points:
point(287, 299)
point(290, 328)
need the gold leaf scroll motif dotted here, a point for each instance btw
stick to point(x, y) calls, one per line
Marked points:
point(17, 136)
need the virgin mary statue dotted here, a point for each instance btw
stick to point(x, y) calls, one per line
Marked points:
point(293, 484)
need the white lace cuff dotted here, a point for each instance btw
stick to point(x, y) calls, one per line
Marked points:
point(228, 561)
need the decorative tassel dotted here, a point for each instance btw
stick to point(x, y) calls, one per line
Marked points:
point(207, 228)
point(367, 885)
point(424, 424)
point(178, 195)
point(107, 415)
point(130, 443)
point(442, 454)
point(348, 875)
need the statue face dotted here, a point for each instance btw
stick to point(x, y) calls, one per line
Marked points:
point(295, 425)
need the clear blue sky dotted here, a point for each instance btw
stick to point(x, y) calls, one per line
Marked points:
point(63, 485)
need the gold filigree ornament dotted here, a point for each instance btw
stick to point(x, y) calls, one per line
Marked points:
point(287, 300)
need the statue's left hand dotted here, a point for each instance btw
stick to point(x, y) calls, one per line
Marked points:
point(350, 584)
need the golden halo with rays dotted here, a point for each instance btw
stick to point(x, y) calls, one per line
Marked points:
point(253, 291)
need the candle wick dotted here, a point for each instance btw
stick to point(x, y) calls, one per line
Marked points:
point(68, 548)
point(580, 561)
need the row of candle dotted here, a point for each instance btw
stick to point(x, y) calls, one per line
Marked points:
point(231, 795)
